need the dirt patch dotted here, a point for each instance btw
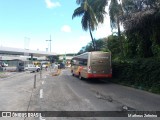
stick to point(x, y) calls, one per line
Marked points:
point(103, 97)
point(109, 98)
point(56, 73)
point(3, 75)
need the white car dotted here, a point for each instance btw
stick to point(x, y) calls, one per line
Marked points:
point(4, 64)
point(32, 68)
point(44, 66)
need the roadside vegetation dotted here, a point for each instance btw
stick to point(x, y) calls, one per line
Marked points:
point(3, 75)
point(136, 49)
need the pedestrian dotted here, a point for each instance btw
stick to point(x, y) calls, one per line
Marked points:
point(46, 67)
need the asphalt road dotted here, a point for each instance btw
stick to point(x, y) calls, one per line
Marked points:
point(68, 93)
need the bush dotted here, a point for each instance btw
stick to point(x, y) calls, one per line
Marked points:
point(143, 74)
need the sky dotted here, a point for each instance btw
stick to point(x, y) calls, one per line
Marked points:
point(27, 24)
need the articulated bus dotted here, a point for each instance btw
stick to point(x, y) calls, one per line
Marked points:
point(95, 64)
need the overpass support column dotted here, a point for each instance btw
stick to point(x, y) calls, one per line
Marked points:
point(31, 58)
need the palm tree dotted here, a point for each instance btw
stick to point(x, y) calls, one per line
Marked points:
point(115, 11)
point(88, 17)
point(99, 9)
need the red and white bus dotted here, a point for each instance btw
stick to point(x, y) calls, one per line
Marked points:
point(95, 64)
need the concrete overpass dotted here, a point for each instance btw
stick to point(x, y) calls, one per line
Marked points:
point(4, 51)
point(25, 52)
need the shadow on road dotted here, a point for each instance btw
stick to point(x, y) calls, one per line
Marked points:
point(97, 81)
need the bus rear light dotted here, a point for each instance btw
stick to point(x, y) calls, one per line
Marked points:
point(89, 69)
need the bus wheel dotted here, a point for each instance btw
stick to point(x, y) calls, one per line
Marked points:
point(80, 77)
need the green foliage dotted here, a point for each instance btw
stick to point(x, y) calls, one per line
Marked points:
point(53, 58)
point(60, 61)
point(89, 21)
point(114, 12)
point(34, 59)
point(139, 42)
point(113, 46)
point(142, 73)
point(101, 45)
point(156, 50)
point(142, 27)
point(93, 12)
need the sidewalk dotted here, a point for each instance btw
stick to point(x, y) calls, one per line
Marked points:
point(6, 74)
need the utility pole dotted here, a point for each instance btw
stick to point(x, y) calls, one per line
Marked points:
point(50, 42)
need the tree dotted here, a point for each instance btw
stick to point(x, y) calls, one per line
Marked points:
point(115, 12)
point(142, 27)
point(113, 46)
point(53, 58)
point(88, 17)
point(99, 8)
point(101, 46)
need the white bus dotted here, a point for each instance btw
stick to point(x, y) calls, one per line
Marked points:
point(95, 64)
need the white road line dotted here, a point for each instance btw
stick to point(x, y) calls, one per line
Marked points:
point(42, 82)
point(41, 93)
point(41, 118)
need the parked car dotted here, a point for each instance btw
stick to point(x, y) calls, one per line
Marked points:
point(32, 68)
point(45, 64)
point(20, 66)
point(3, 64)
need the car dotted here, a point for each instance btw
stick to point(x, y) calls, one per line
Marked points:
point(20, 66)
point(3, 64)
point(32, 68)
point(44, 65)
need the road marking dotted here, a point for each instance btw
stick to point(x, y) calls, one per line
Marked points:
point(11, 76)
point(62, 71)
point(41, 93)
point(41, 118)
point(42, 82)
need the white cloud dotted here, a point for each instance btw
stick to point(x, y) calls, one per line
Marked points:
point(84, 38)
point(104, 29)
point(60, 48)
point(66, 28)
point(51, 4)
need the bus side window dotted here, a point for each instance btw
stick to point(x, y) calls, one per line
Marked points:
point(80, 62)
point(85, 62)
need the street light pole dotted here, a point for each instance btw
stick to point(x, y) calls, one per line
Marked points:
point(50, 42)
